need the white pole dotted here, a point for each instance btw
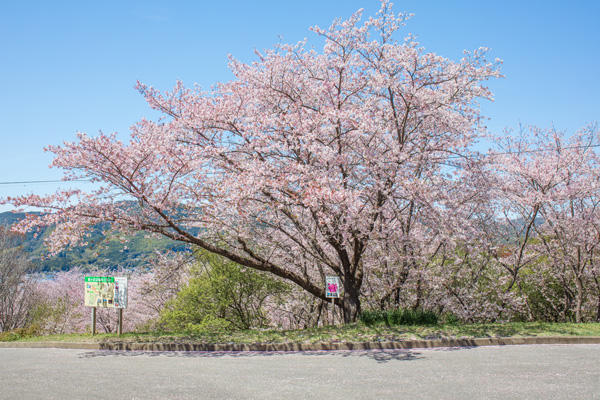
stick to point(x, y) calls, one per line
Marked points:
point(333, 311)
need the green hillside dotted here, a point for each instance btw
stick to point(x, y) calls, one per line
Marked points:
point(103, 251)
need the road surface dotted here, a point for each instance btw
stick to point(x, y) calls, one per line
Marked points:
point(497, 372)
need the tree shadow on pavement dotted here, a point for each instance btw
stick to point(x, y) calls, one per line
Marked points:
point(380, 356)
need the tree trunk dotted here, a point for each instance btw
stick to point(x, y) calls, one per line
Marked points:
point(397, 298)
point(578, 298)
point(597, 295)
point(598, 310)
point(351, 301)
point(419, 293)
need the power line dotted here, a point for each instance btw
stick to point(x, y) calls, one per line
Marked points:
point(450, 156)
point(43, 181)
point(587, 146)
point(504, 153)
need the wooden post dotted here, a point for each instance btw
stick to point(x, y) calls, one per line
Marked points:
point(120, 328)
point(93, 321)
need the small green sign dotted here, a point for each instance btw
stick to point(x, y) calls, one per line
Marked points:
point(99, 278)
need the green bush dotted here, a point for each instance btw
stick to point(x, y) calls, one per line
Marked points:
point(399, 317)
point(449, 319)
point(372, 317)
point(19, 333)
point(209, 323)
point(221, 296)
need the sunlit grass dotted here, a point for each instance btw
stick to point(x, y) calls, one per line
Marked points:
point(348, 333)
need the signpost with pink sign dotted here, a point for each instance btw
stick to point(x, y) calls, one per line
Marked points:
point(332, 291)
point(332, 287)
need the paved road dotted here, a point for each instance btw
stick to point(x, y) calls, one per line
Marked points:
point(508, 372)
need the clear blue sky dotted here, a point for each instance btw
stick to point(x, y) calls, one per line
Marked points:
point(68, 66)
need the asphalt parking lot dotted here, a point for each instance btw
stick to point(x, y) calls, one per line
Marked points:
point(496, 372)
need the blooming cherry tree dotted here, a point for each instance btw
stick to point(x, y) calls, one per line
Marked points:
point(546, 196)
point(304, 165)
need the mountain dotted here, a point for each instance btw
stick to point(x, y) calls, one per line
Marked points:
point(104, 250)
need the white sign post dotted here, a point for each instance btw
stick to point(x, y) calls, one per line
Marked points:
point(121, 292)
point(120, 299)
point(332, 291)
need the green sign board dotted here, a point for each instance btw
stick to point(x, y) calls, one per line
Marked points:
point(105, 291)
point(99, 278)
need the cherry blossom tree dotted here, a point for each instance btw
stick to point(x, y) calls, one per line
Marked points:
point(17, 290)
point(570, 235)
point(307, 163)
point(547, 218)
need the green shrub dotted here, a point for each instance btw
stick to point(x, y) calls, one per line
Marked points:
point(372, 317)
point(19, 333)
point(221, 295)
point(209, 324)
point(449, 319)
point(399, 317)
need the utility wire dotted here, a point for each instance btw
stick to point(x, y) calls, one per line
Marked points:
point(450, 156)
point(504, 153)
point(587, 146)
point(43, 181)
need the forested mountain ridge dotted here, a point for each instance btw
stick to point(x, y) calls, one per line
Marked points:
point(104, 250)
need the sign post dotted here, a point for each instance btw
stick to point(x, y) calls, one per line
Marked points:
point(106, 292)
point(120, 300)
point(332, 291)
point(93, 321)
point(120, 323)
point(120, 292)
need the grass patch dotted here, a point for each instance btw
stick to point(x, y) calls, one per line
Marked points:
point(357, 332)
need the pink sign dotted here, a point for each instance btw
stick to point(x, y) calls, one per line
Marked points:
point(332, 287)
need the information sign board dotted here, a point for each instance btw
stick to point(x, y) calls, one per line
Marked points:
point(332, 287)
point(105, 291)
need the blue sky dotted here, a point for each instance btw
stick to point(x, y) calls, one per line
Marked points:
point(69, 66)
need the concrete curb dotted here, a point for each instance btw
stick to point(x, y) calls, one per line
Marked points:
point(281, 347)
